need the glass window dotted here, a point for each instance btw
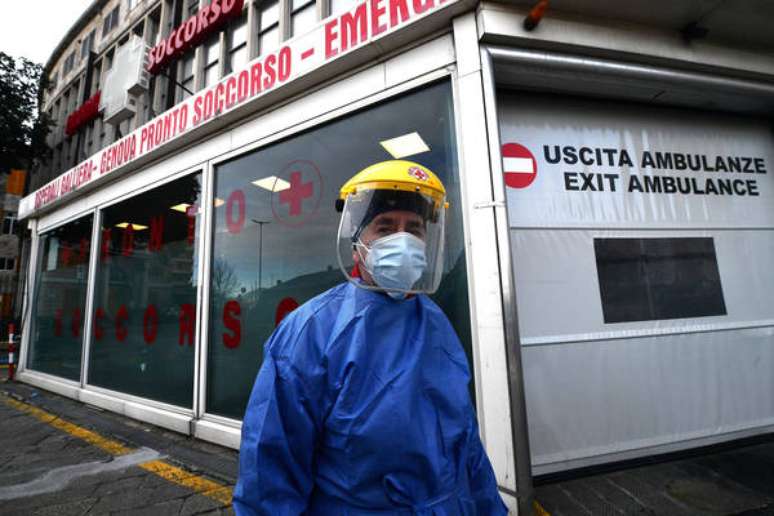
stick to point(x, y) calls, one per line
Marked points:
point(110, 21)
point(646, 279)
point(236, 42)
point(9, 223)
point(60, 300)
point(88, 43)
point(303, 17)
point(268, 35)
point(211, 58)
point(191, 7)
point(7, 264)
point(69, 63)
point(145, 294)
point(274, 242)
point(186, 76)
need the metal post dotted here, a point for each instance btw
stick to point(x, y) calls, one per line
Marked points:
point(260, 251)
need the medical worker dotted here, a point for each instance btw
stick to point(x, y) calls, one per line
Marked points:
point(361, 406)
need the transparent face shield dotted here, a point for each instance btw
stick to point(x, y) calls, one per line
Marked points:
point(394, 240)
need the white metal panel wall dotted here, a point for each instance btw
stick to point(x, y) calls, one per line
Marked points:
point(599, 392)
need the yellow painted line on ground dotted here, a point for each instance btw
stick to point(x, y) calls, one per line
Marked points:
point(184, 478)
point(539, 510)
point(196, 483)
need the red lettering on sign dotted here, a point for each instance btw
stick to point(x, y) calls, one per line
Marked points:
point(295, 195)
point(377, 11)
point(285, 306)
point(237, 197)
point(243, 89)
point(330, 36)
point(105, 244)
point(193, 30)
point(127, 241)
point(231, 95)
point(398, 8)
point(156, 240)
point(269, 71)
point(187, 319)
point(99, 314)
point(421, 6)
point(354, 27)
point(83, 250)
point(283, 70)
point(121, 316)
point(75, 326)
point(150, 324)
point(65, 255)
point(255, 79)
point(231, 309)
point(58, 315)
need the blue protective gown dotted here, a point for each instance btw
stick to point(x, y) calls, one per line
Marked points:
point(362, 408)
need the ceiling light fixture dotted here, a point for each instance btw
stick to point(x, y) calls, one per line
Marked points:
point(272, 184)
point(136, 227)
point(406, 145)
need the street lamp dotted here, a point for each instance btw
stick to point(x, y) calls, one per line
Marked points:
point(260, 250)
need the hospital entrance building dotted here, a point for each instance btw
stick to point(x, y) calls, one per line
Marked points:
point(609, 167)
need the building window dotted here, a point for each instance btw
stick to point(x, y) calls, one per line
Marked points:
point(59, 304)
point(132, 4)
point(69, 63)
point(9, 223)
point(648, 279)
point(303, 16)
point(236, 42)
point(7, 264)
point(268, 32)
point(186, 76)
point(211, 60)
point(145, 294)
point(191, 7)
point(274, 228)
point(110, 22)
point(86, 46)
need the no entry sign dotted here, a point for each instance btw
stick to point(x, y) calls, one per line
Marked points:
point(519, 165)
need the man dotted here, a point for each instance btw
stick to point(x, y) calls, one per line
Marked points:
point(361, 406)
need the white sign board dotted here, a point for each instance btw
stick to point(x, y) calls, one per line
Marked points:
point(581, 164)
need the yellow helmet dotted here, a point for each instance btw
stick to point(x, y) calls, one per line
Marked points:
point(400, 175)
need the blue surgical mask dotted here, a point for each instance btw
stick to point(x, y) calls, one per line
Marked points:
point(396, 261)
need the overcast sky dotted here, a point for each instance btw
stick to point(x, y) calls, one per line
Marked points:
point(33, 28)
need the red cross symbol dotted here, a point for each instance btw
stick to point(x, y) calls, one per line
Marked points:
point(297, 192)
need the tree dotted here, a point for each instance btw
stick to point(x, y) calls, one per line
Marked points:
point(23, 130)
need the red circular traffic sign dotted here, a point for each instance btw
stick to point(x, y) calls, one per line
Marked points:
point(519, 165)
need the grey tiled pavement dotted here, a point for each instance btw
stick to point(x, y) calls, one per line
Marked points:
point(731, 480)
point(29, 448)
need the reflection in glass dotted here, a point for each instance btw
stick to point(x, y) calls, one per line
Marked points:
point(60, 300)
point(145, 294)
point(274, 242)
